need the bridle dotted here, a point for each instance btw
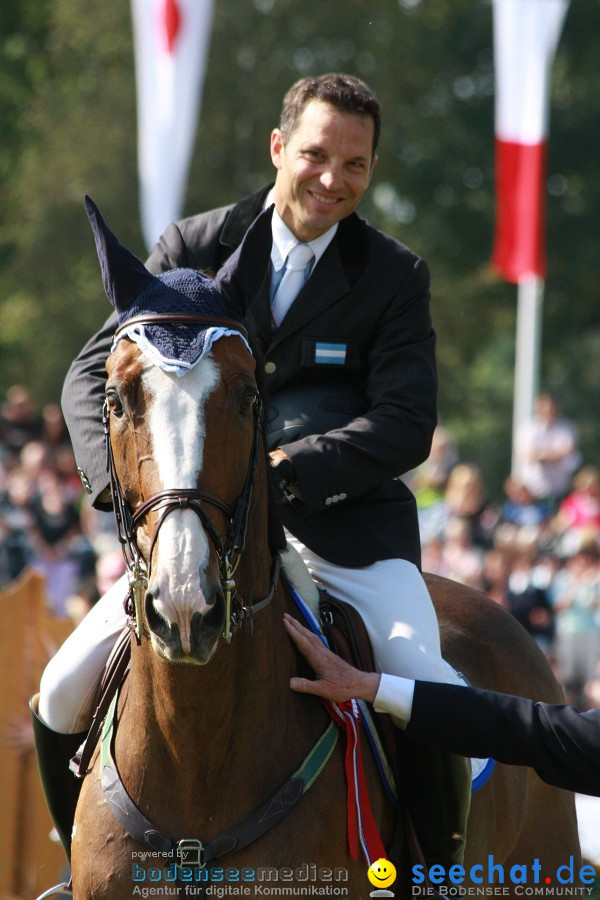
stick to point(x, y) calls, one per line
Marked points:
point(228, 550)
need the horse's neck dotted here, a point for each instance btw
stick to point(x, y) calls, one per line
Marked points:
point(174, 710)
point(189, 736)
point(186, 730)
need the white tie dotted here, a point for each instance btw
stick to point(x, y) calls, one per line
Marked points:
point(292, 282)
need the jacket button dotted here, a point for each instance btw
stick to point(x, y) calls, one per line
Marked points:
point(270, 367)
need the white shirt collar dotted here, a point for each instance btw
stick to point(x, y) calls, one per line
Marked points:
point(270, 198)
point(284, 240)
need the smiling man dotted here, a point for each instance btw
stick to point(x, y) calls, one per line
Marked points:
point(340, 314)
point(324, 164)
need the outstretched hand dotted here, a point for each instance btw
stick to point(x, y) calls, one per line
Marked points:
point(335, 679)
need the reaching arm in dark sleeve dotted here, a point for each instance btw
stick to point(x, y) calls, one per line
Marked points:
point(559, 742)
point(82, 399)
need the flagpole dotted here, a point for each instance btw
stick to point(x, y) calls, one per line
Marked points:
point(530, 296)
point(526, 34)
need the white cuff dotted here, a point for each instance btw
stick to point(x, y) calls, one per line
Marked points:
point(395, 696)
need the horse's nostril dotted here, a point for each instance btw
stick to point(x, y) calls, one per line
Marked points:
point(216, 612)
point(156, 622)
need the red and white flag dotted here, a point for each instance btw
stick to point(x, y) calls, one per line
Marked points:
point(171, 40)
point(526, 34)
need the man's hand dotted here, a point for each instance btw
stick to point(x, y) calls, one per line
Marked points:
point(275, 456)
point(335, 679)
point(284, 475)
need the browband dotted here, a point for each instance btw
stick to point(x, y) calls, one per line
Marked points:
point(182, 319)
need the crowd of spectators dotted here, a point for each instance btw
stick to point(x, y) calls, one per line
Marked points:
point(45, 520)
point(536, 552)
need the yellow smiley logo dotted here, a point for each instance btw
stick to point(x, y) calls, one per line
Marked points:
point(382, 873)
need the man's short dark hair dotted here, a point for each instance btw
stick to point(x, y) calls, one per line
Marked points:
point(344, 92)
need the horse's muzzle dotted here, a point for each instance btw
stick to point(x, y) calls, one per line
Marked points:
point(204, 631)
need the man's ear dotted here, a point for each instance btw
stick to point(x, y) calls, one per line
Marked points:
point(373, 161)
point(276, 147)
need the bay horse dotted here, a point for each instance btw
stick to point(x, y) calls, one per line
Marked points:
point(206, 730)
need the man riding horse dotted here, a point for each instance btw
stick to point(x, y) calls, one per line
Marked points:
point(355, 317)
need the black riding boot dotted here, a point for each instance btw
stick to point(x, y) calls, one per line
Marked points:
point(436, 787)
point(61, 787)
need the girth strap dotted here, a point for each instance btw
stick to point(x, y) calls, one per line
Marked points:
point(258, 823)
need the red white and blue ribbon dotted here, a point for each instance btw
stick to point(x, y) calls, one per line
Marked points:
point(361, 823)
point(362, 828)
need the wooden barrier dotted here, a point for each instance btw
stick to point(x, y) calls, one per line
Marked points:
point(30, 862)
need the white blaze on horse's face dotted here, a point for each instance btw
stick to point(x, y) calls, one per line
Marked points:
point(176, 423)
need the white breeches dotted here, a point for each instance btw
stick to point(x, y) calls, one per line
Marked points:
point(390, 595)
point(393, 600)
point(71, 677)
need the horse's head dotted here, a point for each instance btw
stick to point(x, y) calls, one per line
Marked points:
point(182, 419)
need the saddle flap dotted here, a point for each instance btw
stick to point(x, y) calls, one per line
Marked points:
point(346, 633)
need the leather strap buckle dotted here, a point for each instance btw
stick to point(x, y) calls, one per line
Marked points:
point(190, 852)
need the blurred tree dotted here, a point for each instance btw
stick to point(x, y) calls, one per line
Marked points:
point(75, 130)
point(67, 120)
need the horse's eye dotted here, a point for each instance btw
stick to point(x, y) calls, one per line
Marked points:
point(114, 404)
point(248, 400)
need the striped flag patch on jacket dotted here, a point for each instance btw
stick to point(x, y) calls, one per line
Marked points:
point(330, 354)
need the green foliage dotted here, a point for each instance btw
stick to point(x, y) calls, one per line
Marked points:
point(67, 126)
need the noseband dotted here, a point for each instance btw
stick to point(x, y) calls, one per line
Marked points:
point(228, 551)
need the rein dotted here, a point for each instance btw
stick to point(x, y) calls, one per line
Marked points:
point(228, 551)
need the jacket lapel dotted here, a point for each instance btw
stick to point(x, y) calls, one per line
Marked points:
point(259, 313)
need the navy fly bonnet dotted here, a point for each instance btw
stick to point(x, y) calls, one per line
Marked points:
point(134, 292)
